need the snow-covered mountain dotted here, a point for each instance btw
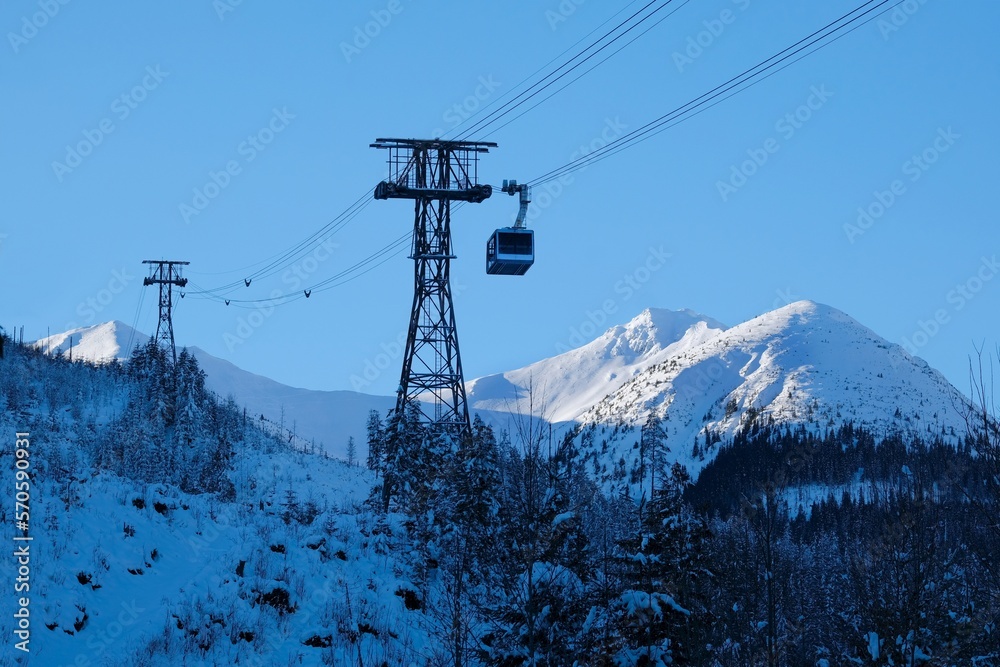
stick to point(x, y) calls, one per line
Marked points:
point(287, 564)
point(98, 343)
point(568, 385)
point(328, 417)
point(805, 363)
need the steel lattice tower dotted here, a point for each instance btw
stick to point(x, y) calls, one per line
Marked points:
point(166, 274)
point(433, 173)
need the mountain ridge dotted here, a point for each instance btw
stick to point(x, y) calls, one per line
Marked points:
point(330, 418)
point(805, 362)
point(572, 381)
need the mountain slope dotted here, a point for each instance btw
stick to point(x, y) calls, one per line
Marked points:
point(567, 385)
point(328, 417)
point(124, 566)
point(805, 363)
point(98, 343)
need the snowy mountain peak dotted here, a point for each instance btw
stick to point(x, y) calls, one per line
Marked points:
point(665, 319)
point(805, 363)
point(806, 311)
point(567, 384)
point(658, 328)
point(98, 343)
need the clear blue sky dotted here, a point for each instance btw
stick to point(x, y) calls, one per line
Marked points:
point(200, 78)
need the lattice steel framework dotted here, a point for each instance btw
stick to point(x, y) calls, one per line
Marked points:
point(166, 274)
point(433, 173)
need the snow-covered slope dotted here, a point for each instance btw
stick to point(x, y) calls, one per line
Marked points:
point(805, 363)
point(98, 343)
point(331, 417)
point(328, 417)
point(136, 570)
point(117, 570)
point(567, 385)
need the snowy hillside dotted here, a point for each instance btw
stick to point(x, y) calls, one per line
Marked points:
point(328, 417)
point(138, 570)
point(805, 363)
point(167, 528)
point(276, 567)
point(98, 343)
point(567, 385)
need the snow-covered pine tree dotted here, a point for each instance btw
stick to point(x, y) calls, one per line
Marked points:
point(352, 451)
point(541, 617)
point(376, 443)
point(468, 543)
point(662, 563)
point(189, 398)
point(404, 436)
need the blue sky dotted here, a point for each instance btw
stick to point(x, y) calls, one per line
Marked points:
point(876, 195)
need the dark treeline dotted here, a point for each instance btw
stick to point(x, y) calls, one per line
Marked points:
point(791, 549)
point(857, 549)
point(845, 456)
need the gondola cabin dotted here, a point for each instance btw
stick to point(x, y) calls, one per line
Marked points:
point(510, 252)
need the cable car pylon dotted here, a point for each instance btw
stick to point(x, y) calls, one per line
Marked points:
point(166, 274)
point(433, 172)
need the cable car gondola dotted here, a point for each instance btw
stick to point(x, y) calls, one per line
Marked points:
point(510, 251)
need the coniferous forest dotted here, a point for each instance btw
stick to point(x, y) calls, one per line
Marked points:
point(759, 562)
point(791, 548)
